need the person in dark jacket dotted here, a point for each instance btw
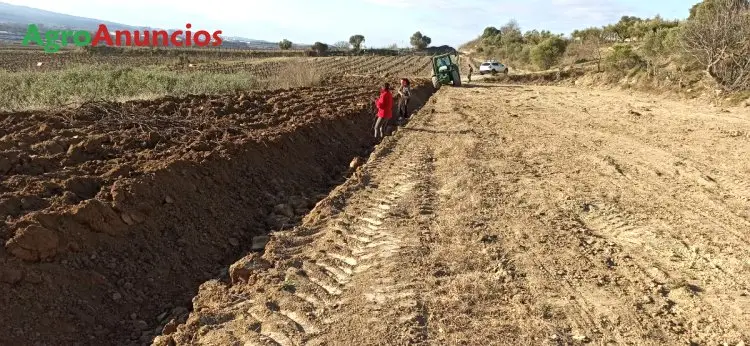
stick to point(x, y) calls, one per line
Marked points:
point(385, 110)
point(404, 92)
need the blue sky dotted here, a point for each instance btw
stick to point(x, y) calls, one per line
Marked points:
point(382, 22)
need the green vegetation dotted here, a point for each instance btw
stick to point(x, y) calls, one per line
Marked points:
point(356, 42)
point(320, 48)
point(31, 89)
point(419, 41)
point(548, 52)
point(285, 44)
point(711, 42)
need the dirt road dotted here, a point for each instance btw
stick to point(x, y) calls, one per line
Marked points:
point(514, 216)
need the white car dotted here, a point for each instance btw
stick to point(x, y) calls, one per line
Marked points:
point(492, 67)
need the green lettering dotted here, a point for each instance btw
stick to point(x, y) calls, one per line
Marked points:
point(66, 36)
point(81, 38)
point(32, 34)
point(52, 46)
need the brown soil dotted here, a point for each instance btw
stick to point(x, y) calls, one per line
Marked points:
point(114, 213)
point(507, 215)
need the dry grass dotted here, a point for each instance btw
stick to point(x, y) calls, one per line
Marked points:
point(39, 90)
point(296, 75)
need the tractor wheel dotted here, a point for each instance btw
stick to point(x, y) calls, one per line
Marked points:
point(456, 79)
point(435, 82)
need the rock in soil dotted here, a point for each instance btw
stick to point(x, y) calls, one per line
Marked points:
point(259, 242)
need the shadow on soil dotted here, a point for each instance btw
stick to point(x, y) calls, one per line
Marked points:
point(455, 132)
point(484, 86)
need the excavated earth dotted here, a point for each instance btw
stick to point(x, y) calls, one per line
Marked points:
point(114, 213)
point(512, 215)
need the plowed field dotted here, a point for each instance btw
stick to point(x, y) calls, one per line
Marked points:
point(400, 66)
point(114, 213)
point(391, 66)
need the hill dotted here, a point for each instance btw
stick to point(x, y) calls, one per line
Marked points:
point(16, 15)
point(15, 18)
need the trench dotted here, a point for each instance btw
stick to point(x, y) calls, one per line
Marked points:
point(124, 290)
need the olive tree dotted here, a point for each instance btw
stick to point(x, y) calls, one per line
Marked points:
point(715, 36)
point(285, 44)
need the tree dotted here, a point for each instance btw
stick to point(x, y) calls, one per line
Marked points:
point(592, 40)
point(419, 41)
point(624, 28)
point(490, 31)
point(356, 41)
point(511, 33)
point(341, 45)
point(716, 37)
point(536, 36)
point(285, 44)
point(609, 34)
point(653, 49)
point(320, 48)
point(547, 53)
point(392, 46)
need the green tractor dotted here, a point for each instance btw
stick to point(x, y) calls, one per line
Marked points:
point(445, 71)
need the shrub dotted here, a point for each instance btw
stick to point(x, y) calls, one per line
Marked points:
point(623, 57)
point(715, 36)
point(547, 53)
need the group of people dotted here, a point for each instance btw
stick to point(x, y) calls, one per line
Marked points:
point(384, 105)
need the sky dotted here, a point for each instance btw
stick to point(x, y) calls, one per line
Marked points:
point(382, 22)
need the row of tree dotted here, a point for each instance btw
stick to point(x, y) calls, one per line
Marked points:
point(713, 39)
point(418, 41)
point(542, 48)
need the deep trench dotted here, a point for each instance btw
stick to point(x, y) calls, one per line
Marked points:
point(125, 289)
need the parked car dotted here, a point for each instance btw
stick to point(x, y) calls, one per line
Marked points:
point(492, 67)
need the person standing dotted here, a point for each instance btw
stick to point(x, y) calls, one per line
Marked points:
point(405, 93)
point(471, 69)
point(384, 105)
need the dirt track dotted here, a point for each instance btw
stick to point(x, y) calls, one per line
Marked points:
point(513, 216)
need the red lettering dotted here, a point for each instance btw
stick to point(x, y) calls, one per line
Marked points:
point(202, 38)
point(217, 38)
point(164, 38)
point(128, 38)
point(102, 34)
point(175, 41)
point(188, 35)
point(142, 43)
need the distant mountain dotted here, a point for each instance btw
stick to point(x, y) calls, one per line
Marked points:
point(14, 20)
point(23, 16)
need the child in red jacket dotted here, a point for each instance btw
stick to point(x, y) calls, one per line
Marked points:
point(385, 110)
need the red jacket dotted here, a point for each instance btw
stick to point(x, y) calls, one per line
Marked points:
point(385, 104)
